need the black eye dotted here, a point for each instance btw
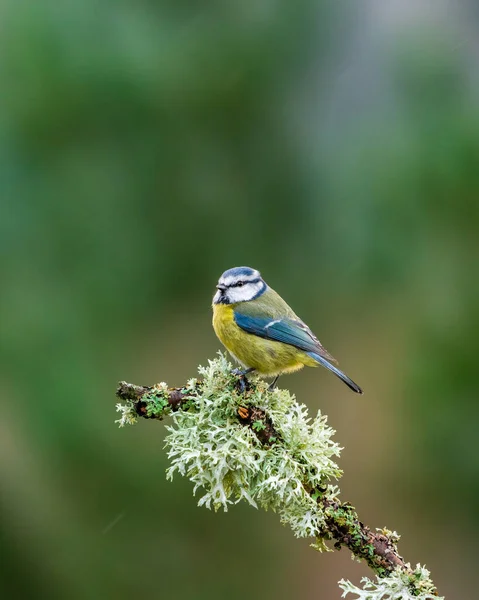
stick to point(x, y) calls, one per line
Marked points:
point(240, 284)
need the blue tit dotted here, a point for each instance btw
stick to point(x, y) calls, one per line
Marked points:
point(262, 332)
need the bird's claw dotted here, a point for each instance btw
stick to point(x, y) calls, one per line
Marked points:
point(272, 385)
point(242, 382)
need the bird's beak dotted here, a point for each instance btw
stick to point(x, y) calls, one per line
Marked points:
point(221, 287)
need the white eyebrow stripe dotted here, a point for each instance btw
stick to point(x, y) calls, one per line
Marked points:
point(271, 323)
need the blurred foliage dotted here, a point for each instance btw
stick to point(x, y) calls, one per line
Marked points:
point(144, 148)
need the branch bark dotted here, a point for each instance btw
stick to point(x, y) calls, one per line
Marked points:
point(343, 525)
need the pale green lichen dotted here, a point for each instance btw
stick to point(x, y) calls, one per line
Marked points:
point(289, 474)
point(226, 461)
point(155, 401)
point(128, 414)
point(393, 536)
point(399, 585)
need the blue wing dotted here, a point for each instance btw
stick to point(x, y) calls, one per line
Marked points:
point(295, 333)
point(288, 331)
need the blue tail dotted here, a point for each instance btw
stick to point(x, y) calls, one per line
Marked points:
point(349, 382)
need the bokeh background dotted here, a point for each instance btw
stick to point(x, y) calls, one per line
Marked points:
point(147, 146)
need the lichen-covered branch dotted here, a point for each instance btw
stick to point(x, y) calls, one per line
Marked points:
point(261, 446)
point(148, 402)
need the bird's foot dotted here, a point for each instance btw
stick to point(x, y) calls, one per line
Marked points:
point(239, 371)
point(273, 384)
point(242, 382)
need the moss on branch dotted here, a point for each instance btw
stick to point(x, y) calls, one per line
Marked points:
point(261, 446)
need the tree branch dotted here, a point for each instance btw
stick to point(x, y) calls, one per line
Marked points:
point(177, 398)
point(254, 410)
point(343, 524)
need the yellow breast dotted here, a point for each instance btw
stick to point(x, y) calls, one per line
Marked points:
point(225, 326)
point(267, 357)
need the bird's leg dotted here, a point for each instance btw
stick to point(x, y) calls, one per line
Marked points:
point(242, 372)
point(273, 383)
point(242, 377)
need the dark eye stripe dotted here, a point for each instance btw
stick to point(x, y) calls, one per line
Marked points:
point(240, 283)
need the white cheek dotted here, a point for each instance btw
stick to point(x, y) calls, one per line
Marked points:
point(235, 295)
point(245, 293)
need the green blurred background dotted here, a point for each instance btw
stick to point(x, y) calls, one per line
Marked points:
point(147, 146)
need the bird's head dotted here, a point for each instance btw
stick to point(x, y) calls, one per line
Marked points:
point(240, 284)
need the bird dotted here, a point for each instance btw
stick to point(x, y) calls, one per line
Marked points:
point(262, 332)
